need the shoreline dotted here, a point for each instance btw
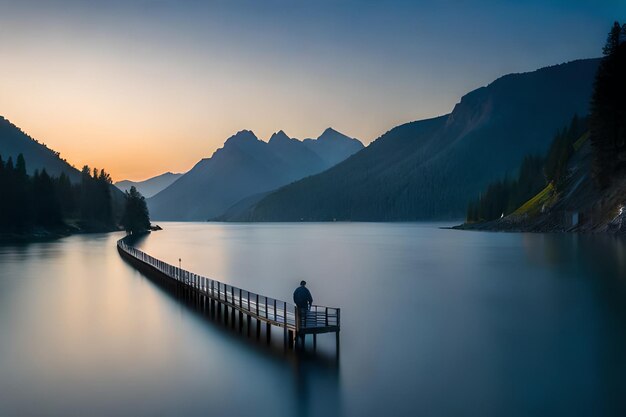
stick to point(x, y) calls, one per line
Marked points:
point(609, 229)
point(44, 235)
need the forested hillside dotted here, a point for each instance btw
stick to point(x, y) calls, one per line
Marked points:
point(584, 172)
point(40, 203)
point(13, 141)
point(507, 195)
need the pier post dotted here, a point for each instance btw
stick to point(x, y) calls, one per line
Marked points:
point(286, 334)
point(299, 340)
point(258, 328)
point(268, 332)
point(240, 321)
point(290, 338)
point(225, 314)
point(249, 320)
point(337, 334)
point(314, 341)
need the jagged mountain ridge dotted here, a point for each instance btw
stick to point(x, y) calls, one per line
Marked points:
point(243, 167)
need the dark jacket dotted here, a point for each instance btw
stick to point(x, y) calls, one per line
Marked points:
point(302, 297)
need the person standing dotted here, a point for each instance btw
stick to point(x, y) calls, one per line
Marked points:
point(303, 299)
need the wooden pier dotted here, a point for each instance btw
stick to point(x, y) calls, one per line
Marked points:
point(228, 302)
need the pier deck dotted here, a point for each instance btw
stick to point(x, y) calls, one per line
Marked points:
point(263, 309)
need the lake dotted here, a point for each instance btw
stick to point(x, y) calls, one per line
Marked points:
point(435, 322)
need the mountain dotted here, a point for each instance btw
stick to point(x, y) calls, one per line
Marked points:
point(246, 166)
point(583, 173)
point(151, 186)
point(299, 159)
point(432, 168)
point(333, 147)
point(14, 141)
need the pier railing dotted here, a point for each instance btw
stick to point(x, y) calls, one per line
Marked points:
point(319, 319)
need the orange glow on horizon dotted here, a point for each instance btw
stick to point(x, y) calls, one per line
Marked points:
point(142, 105)
point(140, 88)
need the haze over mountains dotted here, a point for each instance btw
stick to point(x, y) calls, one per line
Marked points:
point(432, 168)
point(246, 166)
point(419, 170)
point(151, 186)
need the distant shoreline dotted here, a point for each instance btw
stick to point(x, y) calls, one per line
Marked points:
point(43, 235)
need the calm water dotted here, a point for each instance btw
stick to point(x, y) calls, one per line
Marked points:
point(434, 323)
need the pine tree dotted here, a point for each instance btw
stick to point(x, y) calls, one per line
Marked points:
point(103, 186)
point(3, 200)
point(607, 122)
point(67, 196)
point(21, 203)
point(95, 197)
point(136, 218)
point(20, 167)
point(47, 207)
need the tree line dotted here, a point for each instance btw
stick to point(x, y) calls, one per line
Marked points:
point(607, 121)
point(41, 201)
point(503, 197)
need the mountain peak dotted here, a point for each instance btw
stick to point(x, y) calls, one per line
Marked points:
point(279, 136)
point(242, 136)
point(331, 134)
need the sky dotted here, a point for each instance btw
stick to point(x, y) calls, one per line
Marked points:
point(144, 87)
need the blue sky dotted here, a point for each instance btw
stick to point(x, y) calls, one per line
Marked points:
point(181, 76)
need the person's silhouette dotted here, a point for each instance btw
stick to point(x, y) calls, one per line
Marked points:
point(303, 299)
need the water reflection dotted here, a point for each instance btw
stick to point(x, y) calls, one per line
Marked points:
point(311, 397)
point(600, 257)
point(560, 247)
point(308, 366)
point(434, 322)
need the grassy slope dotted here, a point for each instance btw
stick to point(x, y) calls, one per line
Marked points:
point(551, 210)
point(545, 197)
